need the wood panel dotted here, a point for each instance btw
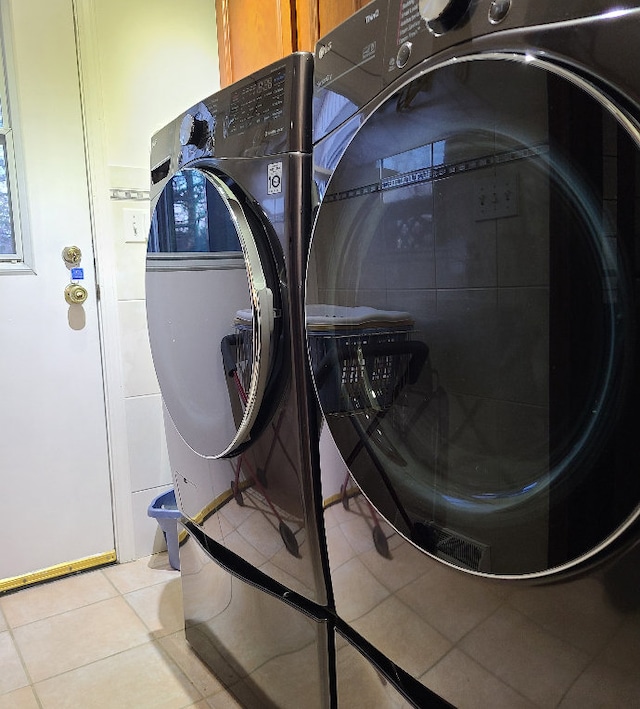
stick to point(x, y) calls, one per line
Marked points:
point(252, 34)
point(315, 18)
point(307, 25)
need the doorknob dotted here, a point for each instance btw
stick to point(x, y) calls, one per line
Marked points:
point(71, 255)
point(75, 294)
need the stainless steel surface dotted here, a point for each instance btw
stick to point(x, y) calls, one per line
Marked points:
point(265, 651)
point(232, 208)
point(483, 524)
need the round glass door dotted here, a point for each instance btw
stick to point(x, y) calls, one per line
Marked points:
point(213, 307)
point(471, 315)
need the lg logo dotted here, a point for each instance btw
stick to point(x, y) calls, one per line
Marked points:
point(324, 49)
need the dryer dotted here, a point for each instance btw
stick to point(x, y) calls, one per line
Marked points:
point(472, 325)
point(230, 182)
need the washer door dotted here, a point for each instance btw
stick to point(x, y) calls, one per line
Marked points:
point(213, 306)
point(487, 212)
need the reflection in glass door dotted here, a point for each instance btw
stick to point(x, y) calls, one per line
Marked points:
point(481, 203)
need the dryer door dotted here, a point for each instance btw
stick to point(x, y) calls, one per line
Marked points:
point(214, 311)
point(472, 314)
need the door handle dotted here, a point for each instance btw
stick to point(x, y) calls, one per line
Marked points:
point(75, 294)
point(71, 255)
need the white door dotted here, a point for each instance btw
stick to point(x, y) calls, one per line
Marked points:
point(54, 466)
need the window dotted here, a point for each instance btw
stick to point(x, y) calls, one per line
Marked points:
point(11, 245)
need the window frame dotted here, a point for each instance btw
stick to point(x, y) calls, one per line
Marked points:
point(20, 259)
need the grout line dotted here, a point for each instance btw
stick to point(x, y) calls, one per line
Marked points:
point(27, 674)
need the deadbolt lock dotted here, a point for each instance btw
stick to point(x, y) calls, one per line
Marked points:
point(75, 294)
point(71, 255)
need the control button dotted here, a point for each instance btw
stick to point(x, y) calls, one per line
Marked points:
point(403, 55)
point(498, 10)
point(193, 131)
point(443, 15)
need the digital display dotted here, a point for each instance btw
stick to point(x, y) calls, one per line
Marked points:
point(259, 102)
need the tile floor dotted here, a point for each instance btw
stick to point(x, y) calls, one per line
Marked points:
point(107, 638)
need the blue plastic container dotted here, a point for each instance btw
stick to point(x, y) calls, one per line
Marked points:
point(165, 509)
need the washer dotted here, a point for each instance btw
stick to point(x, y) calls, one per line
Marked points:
point(472, 324)
point(231, 214)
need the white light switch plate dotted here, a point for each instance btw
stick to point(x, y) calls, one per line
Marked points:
point(136, 225)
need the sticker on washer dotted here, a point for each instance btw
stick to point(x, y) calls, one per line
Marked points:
point(274, 177)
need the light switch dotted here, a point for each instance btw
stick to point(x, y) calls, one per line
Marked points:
point(136, 225)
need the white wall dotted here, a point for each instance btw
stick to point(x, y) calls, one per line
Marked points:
point(153, 59)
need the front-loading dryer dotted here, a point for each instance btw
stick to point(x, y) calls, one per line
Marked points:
point(230, 183)
point(472, 325)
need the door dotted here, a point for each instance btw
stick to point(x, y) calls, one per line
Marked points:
point(472, 314)
point(55, 470)
point(212, 298)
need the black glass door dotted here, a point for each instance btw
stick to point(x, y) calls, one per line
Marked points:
point(472, 314)
point(214, 310)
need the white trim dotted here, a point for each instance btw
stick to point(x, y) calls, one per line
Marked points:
point(93, 118)
point(24, 262)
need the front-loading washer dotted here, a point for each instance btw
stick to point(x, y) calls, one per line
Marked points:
point(230, 183)
point(472, 325)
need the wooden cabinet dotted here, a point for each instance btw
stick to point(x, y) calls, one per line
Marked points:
point(314, 18)
point(254, 33)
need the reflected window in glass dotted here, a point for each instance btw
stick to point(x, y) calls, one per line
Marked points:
point(191, 217)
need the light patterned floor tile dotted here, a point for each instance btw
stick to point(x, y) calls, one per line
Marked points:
point(75, 638)
point(159, 607)
point(46, 600)
point(20, 699)
point(142, 573)
point(12, 674)
point(138, 678)
point(223, 700)
point(177, 647)
point(3, 623)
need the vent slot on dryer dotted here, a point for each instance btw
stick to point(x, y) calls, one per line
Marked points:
point(453, 547)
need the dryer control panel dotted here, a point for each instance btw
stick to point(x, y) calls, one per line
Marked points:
point(267, 113)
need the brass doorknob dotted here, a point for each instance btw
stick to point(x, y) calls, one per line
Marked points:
point(71, 255)
point(75, 294)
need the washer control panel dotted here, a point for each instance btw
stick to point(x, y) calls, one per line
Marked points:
point(384, 40)
point(441, 16)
